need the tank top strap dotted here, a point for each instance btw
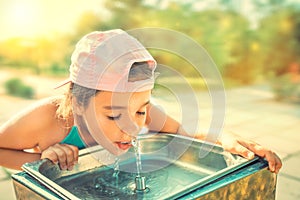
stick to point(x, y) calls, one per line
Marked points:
point(73, 138)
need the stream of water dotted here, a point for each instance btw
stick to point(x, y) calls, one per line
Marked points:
point(137, 149)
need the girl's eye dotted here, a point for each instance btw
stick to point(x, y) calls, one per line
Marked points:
point(114, 117)
point(141, 113)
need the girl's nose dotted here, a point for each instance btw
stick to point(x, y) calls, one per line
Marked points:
point(131, 128)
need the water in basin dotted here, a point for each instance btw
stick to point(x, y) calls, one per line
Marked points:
point(100, 183)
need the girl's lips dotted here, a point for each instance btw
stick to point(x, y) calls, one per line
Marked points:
point(124, 145)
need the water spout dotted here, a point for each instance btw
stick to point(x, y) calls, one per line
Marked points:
point(140, 181)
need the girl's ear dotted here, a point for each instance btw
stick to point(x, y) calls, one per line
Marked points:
point(77, 108)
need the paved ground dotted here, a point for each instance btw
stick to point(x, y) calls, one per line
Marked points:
point(251, 112)
point(254, 114)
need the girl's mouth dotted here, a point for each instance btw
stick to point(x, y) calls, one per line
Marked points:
point(124, 145)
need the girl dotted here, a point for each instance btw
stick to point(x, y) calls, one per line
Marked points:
point(108, 103)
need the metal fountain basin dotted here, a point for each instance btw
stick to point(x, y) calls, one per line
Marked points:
point(174, 167)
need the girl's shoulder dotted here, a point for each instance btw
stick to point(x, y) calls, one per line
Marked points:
point(36, 123)
point(42, 111)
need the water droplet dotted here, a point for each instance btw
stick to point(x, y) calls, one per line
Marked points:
point(97, 186)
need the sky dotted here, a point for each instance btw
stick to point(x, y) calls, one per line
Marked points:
point(41, 17)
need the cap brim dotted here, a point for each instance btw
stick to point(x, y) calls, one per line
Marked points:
point(63, 83)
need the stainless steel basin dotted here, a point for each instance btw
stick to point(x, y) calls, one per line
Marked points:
point(174, 166)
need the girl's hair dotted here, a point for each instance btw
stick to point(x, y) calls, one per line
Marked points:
point(138, 71)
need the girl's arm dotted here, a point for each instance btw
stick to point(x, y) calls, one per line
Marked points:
point(159, 121)
point(36, 127)
point(14, 159)
point(30, 128)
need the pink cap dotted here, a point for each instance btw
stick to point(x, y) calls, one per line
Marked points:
point(102, 61)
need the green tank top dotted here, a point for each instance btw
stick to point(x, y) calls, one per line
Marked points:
point(73, 138)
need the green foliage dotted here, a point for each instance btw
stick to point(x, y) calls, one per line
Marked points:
point(16, 87)
point(215, 29)
point(242, 50)
point(280, 47)
point(57, 69)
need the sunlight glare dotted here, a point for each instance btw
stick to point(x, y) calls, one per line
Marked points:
point(42, 18)
point(23, 17)
point(22, 14)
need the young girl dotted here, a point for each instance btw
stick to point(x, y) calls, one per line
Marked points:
point(108, 103)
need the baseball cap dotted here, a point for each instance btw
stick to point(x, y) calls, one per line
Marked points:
point(102, 60)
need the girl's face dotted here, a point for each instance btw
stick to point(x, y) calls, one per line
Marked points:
point(114, 119)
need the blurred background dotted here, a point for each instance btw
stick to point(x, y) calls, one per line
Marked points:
point(253, 43)
point(250, 41)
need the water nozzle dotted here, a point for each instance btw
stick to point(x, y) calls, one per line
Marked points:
point(140, 183)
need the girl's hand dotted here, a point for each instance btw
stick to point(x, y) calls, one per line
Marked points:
point(248, 149)
point(64, 154)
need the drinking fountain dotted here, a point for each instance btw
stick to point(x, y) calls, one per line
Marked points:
point(172, 167)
